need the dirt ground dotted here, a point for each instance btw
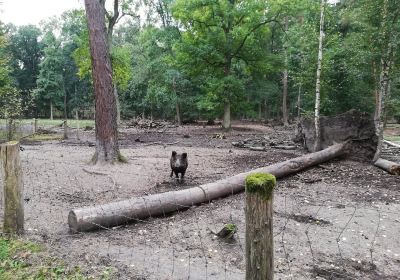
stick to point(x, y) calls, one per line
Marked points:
point(339, 220)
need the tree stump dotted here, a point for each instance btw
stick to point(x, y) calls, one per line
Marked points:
point(259, 232)
point(13, 188)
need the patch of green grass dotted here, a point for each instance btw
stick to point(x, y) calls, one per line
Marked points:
point(392, 138)
point(49, 123)
point(26, 260)
point(44, 137)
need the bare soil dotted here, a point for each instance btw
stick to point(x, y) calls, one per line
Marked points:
point(339, 220)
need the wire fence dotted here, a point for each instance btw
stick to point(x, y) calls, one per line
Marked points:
point(322, 230)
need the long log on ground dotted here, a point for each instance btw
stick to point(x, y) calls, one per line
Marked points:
point(389, 166)
point(136, 209)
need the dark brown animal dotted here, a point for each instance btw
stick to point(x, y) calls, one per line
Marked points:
point(179, 164)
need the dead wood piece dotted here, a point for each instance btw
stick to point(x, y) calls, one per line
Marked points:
point(284, 147)
point(391, 144)
point(139, 208)
point(227, 232)
point(257, 148)
point(391, 167)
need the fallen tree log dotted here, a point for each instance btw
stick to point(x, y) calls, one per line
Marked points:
point(136, 209)
point(389, 166)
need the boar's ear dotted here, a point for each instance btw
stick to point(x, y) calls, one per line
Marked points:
point(184, 155)
point(173, 153)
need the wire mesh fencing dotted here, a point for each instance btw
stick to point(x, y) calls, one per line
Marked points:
point(321, 229)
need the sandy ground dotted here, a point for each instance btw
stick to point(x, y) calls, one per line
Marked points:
point(335, 221)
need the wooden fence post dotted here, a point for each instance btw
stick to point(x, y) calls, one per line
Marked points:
point(65, 124)
point(259, 234)
point(13, 188)
point(35, 125)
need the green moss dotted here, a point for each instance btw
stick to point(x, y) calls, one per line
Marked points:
point(231, 227)
point(121, 158)
point(261, 183)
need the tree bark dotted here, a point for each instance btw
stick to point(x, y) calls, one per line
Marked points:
point(116, 213)
point(177, 106)
point(384, 80)
point(317, 144)
point(226, 123)
point(299, 103)
point(107, 149)
point(51, 109)
point(391, 167)
point(285, 115)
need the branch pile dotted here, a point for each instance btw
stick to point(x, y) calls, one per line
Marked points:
point(142, 123)
point(263, 143)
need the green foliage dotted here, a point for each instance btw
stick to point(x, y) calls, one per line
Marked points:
point(221, 47)
point(10, 103)
point(50, 82)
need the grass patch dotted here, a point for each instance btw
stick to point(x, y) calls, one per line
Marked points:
point(27, 260)
point(392, 138)
point(44, 137)
point(49, 123)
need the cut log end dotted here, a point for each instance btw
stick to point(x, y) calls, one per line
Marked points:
point(389, 166)
point(73, 222)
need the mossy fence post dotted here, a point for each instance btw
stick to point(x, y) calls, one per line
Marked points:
point(13, 188)
point(259, 234)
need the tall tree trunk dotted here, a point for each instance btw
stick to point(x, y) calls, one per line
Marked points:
point(285, 114)
point(259, 111)
point(107, 149)
point(384, 79)
point(178, 113)
point(65, 104)
point(51, 109)
point(177, 106)
point(317, 143)
point(226, 123)
point(299, 103)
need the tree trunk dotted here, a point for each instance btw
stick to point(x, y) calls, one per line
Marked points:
point(178, 113)
point(259, 111)
point(226, 123)
point(116, 213)
point(299, 103)
point(177, 106)
point(384, 80)
point(107, 149)
point(317, 144)
point(51, 109)
point(285, 115)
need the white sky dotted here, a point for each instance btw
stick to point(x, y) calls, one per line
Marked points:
point(22, 12)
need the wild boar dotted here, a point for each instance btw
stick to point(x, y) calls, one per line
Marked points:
point(179, 164)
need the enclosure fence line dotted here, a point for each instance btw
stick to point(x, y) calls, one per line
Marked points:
point(284, 218)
